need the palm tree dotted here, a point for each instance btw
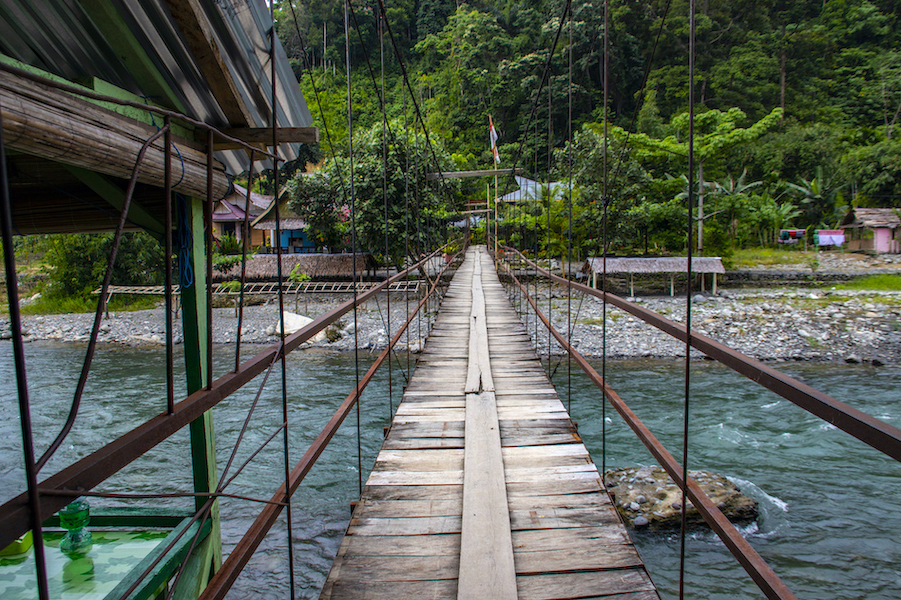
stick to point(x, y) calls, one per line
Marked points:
point(820, 198)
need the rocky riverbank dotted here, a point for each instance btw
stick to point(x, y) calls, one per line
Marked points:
point(772, 325)
point(259, 324)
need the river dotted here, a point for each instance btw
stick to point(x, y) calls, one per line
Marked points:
point(830, 508)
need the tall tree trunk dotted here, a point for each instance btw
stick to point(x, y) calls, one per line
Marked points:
point(782, 75)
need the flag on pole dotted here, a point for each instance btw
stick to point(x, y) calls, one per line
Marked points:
point(492, 134)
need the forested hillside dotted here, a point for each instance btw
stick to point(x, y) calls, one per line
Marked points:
point(798, 102)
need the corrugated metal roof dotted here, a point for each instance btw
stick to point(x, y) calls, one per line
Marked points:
point(136, 45)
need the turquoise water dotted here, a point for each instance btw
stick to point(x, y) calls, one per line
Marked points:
point(830, 506)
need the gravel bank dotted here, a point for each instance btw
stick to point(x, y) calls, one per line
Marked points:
point(259, 324)
point(766, 324)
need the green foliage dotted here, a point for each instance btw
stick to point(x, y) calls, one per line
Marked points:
point(78, 262)
point(785, 91)
point(884, 283)
point(229, 244)
point(232, 286)
point(298, 276)
point(414, 203)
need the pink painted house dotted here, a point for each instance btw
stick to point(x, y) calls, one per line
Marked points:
point(877, 229)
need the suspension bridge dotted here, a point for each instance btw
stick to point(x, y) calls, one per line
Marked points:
point(483, 488)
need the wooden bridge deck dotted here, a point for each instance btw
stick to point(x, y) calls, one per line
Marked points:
point(528, 518)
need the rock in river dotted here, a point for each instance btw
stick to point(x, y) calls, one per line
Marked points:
point(647, 497)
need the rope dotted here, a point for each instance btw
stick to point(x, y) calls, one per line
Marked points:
point(185, 243)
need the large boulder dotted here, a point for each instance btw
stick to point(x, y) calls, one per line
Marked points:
point(646, 497)
point(294, 323)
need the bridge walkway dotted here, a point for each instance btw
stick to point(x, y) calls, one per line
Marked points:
point(526, 518)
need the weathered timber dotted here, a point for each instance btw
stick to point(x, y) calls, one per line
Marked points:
point(52, 124)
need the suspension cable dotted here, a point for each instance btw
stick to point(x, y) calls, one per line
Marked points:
point(385, 201)
point(353, 243)
point(688, 334)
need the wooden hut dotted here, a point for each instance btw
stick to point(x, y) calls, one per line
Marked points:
point(230, 213)
point(874, 229)
point(699, 264)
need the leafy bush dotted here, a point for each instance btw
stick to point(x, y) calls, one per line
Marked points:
point(78, 262)
point(298, 276)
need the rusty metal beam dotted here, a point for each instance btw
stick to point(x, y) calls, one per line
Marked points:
point(765, 578)
point(868, 429)
point(101, 464)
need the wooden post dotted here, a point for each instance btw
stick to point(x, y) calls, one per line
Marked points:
point(714, 284)
point(672, 285)
point(207, 556)
point(631, 286)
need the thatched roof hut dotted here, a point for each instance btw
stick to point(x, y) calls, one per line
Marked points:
point(672, 264)
point(265, 266)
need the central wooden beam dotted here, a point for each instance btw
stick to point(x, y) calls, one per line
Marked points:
point(486, 544)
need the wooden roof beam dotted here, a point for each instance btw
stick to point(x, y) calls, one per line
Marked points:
point(262, 136)
point(200, 40)
point(481, 173)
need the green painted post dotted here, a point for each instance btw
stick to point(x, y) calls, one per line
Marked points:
point(207, 557)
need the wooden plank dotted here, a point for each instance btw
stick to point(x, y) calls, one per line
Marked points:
point(569, 559)
point(561, 517)
point(339, 590)
point(374, 569)
point(201, 41)
point(582, 539)
point(414, 492)
point(404, 526)
point(263, 136)
point(486, 564)
point(412, 508)
point(447, 544)
point(596, 584)
point(415, 478)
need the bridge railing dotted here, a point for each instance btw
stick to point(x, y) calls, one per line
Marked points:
point(868, 429)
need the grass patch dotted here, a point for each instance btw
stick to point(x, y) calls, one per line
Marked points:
point(79, 304)
point(882, 283)
point(592, 321)
point(751, 257)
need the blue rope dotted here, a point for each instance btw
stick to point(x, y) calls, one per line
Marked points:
point(185, 240)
